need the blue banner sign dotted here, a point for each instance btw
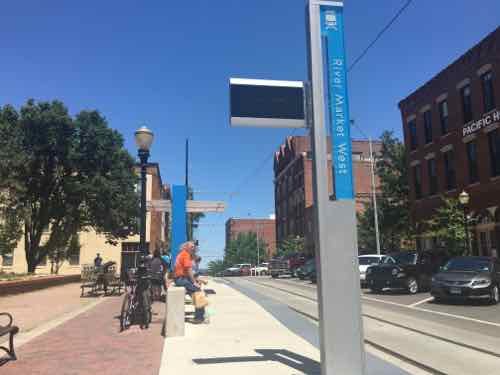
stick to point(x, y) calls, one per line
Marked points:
point(332, 32)
point(179, 217)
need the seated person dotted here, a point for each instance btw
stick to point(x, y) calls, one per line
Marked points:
point(184, 275)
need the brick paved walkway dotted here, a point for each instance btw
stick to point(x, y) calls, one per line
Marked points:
point(91, 343)
point(32, 309)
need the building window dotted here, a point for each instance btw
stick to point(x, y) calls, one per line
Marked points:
point(432, 174)
point(465, 94)
point(494, 143)
point(449, 170)
point(8, 259)
point(412, 125)
point(428, 126)
point(443, 116)
point(488, 94)
point(472, 158)
point(417, 178)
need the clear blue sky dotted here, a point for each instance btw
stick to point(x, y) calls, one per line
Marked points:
point(167, 63)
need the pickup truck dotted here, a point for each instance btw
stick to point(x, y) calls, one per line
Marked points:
point(286, 265)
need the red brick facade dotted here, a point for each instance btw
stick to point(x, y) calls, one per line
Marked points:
point(264, 228)
point(443, 143)
point(293, 185)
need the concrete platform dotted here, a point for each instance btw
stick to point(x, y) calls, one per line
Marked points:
point(243, 338)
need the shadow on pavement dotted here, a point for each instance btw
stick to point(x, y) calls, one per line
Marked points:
point(286, 357)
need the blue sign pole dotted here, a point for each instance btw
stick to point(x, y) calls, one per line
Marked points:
point(332, 33)
point(179, 218)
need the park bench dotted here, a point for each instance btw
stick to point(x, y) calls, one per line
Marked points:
point(89, 279)
point(10, 330)
point(113, 281)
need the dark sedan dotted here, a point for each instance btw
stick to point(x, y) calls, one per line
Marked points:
point(406, 270)
point(304, 272)
point(468, 278)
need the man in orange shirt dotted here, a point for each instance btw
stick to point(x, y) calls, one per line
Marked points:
point(184, 276)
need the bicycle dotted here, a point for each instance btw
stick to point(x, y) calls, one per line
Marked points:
point(136, 305)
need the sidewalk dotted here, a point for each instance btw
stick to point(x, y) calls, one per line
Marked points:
point(33, 309)
point(242, 338)
point(91, 343)
point(246, 337)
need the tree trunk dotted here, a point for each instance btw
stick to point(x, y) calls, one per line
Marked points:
point(31, 250)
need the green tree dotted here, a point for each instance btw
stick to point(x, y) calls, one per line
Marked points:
point(244, 249)
point(216, 266)
point(291, 245)
point(71, 174)
point(448, 227)
point(396, 228)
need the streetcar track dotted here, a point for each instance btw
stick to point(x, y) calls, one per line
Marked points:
point(384, 321)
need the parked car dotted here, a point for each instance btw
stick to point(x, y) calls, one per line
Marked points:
point(366, 261)
point(261, 269)
point(468, 278)
point(304, 271)
point(286, 265)
point(238, 270)
point(407, 270)
point(313, 276)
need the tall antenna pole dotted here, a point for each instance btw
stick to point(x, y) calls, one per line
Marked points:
point(187, 163)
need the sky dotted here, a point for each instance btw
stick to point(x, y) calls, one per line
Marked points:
point(166, 64)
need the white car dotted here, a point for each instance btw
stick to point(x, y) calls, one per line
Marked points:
point(366, 261)
point(261, 269)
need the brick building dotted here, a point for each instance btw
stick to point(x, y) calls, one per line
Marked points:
point(264, 228)
point(293, 187)
point(451, 130)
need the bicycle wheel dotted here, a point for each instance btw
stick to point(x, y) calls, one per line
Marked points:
point(126, 313)
point(146, 308)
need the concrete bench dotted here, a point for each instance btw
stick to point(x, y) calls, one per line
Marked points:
point(173, 324)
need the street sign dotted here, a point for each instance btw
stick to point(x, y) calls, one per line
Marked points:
point(266, 103)
point(191, 206)
point(332, 34)
point(159, 205)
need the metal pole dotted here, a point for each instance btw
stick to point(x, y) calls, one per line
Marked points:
point(466, 227)
point(258, 251)
point(340, 325)
point(143, 156)
point(374, 195)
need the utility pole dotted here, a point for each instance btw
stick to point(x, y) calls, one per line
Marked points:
point(373, 187)
point(258, 251)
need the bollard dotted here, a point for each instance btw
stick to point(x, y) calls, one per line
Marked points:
point(174, 312)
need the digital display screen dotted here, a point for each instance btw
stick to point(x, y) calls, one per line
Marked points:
point(267, 102)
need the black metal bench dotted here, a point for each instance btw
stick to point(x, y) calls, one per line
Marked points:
point(89, 279)
point(10, 330)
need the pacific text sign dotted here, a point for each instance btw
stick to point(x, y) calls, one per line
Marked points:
point(488, 119)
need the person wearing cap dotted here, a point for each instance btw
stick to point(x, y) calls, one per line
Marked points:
point(184, 275)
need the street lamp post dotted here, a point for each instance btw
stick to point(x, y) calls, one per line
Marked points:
point(374, 189)
point(143, 140)
point(464, 201)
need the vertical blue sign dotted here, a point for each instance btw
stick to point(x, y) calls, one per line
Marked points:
point(332, 32)
point(179, 235)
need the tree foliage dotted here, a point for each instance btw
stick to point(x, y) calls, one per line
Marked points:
point(396, 228)
point(291, 245)
point(244, 249)
point(447, 225)
point(64, 174)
